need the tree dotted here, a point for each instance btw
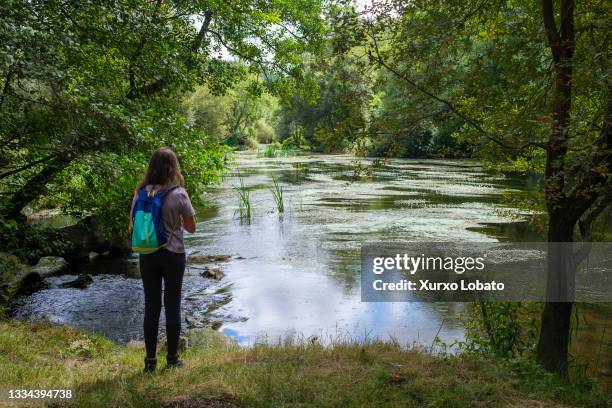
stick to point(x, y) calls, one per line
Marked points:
point(98, 83)
point(235, 118)
point(404, 124)
point(334, 112)
point(490, 64)
point(206, 112)
point(575, 193)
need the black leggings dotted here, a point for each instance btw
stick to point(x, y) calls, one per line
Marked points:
point(170, 267)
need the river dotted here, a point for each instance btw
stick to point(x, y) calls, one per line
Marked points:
point(296, 275)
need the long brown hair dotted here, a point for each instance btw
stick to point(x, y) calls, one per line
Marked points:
point(163, 169)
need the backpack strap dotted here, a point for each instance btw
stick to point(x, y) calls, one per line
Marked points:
point(140, 193)
point(162, 193)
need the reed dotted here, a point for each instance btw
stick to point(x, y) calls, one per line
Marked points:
point(277, 194)
point(270, 151)
point(244, 202)
point(286, 151)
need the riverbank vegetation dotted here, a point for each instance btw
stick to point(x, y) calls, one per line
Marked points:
point(295, 373)
point(89, 90)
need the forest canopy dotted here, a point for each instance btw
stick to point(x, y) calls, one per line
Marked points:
point(90, 89)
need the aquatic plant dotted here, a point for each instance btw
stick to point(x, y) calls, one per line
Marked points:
point(273, 150)
point(244, 202)
point(286, 151)
point(270, 151)
point(361, 170)
point(277, 194)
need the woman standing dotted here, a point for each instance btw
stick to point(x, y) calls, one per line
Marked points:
point(166, 264)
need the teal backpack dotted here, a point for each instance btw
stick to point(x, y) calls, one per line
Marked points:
point(148, 230)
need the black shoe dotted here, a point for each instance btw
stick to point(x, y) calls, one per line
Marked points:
point(150, 365)
point(174, 362)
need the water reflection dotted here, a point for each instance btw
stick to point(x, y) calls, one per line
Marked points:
point(301, 271)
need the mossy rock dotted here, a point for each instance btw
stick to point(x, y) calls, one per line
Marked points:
point(10, 265)
point(15, 276)
point(50, 265)
point(8, 262)
point(203, 338)
point(12, 275)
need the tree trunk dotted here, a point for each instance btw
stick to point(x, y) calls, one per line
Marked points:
point(554, 337)
point(555, 326)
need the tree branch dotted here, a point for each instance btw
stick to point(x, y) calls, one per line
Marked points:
point(585, 224)
point(159, 84)
point(36, 186)
point(567, 28)
point(451, 107)
point(26, 166)
point(599, 173)
point(233, 50)
point(195, 47)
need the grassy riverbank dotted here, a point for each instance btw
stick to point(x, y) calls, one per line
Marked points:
point(220, 374)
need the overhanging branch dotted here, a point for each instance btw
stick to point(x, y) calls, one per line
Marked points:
point(450, 106)
point(160, 83)
point(25, 167)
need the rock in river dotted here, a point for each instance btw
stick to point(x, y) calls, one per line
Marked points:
point(15, 276)
point(214, 273)
point(49, 265)
point(81, 282)
point(200, 257)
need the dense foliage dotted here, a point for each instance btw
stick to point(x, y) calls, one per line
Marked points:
point(89, 89)
point(244, 116)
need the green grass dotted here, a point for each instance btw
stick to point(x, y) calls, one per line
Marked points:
point(244, 202)
point(277, 195)
point(294, 374)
